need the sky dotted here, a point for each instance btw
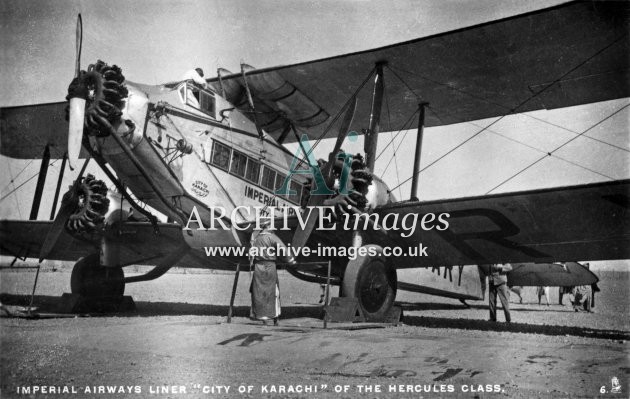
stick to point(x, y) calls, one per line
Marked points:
point(157, 41)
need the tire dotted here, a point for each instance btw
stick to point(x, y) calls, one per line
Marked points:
point(90, 279)
point(372, 281)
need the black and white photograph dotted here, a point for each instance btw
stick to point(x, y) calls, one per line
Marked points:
point(315, 199)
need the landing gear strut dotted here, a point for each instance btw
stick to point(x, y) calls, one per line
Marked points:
point(91, 280)
point(373, 282)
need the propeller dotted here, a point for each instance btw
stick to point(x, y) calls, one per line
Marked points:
point(69, 204)
point(77, 104)
point(301, 236)
point(341, 137)
point(70, 200)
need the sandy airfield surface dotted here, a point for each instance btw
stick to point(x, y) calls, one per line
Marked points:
point(178, 344)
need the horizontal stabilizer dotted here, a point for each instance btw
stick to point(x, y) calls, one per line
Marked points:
point(550, 275)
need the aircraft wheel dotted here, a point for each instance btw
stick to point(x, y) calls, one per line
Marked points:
point(373, 282)
point(90, 279)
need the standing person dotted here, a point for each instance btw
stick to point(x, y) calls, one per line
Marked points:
point(518, 290)
point(540, 291)
point(192, 93)
point(196, 75)
point(582, 298)
point(265, 289)
point(498, 285)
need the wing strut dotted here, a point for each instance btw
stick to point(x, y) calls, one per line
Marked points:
point(41, 179)
point(371, 136)
point(416, 160)
point(221, 83)
point(250, 99)
point(59, 181)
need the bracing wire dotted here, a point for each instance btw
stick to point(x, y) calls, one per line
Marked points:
point(545, 152)
point(13, 178)
point(26, 181)
point(474, 96)
point(556, 149)
point(396, 149)
point(397, 133)
point(513, 110)
point(343, 108)
point(17, 203)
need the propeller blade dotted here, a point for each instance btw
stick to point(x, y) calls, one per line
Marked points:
point(79, 45)
point(77, 106)
point(345, 125)
point(301, 236)
point(69, 204)
point(75, 130)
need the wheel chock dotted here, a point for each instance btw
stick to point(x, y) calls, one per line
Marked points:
point(344, 310)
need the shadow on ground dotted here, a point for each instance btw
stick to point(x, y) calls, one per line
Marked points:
point(484, 325)
point(152, 309)
point(45, 303)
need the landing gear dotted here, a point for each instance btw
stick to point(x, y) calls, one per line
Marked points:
point(91, 280)
point(373, 282)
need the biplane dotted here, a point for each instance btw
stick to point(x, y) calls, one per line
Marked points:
point(181, 149)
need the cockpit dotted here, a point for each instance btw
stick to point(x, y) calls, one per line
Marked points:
point(198, 98)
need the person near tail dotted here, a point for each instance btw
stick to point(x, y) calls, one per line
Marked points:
point(498, 286)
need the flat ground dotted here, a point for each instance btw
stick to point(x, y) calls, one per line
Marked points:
point(179, 336)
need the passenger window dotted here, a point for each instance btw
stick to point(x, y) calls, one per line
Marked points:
point(304, 194)
point(192, 95)
point(252, 171)
point(206, 103)
point(268, 178)
point(220, 155)
point(280, 177)
point(239, 161)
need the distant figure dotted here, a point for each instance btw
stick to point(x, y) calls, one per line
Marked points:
point(498, 285)
point(562, 291)
point(196, 75)
point(594, 287)
point(265, 289)
point(582, 298)
point(518, 290)
point(540, 291)
point(484, 271)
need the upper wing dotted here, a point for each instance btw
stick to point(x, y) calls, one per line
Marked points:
point(566, 55)
point(571, 54)
point(26, 130)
